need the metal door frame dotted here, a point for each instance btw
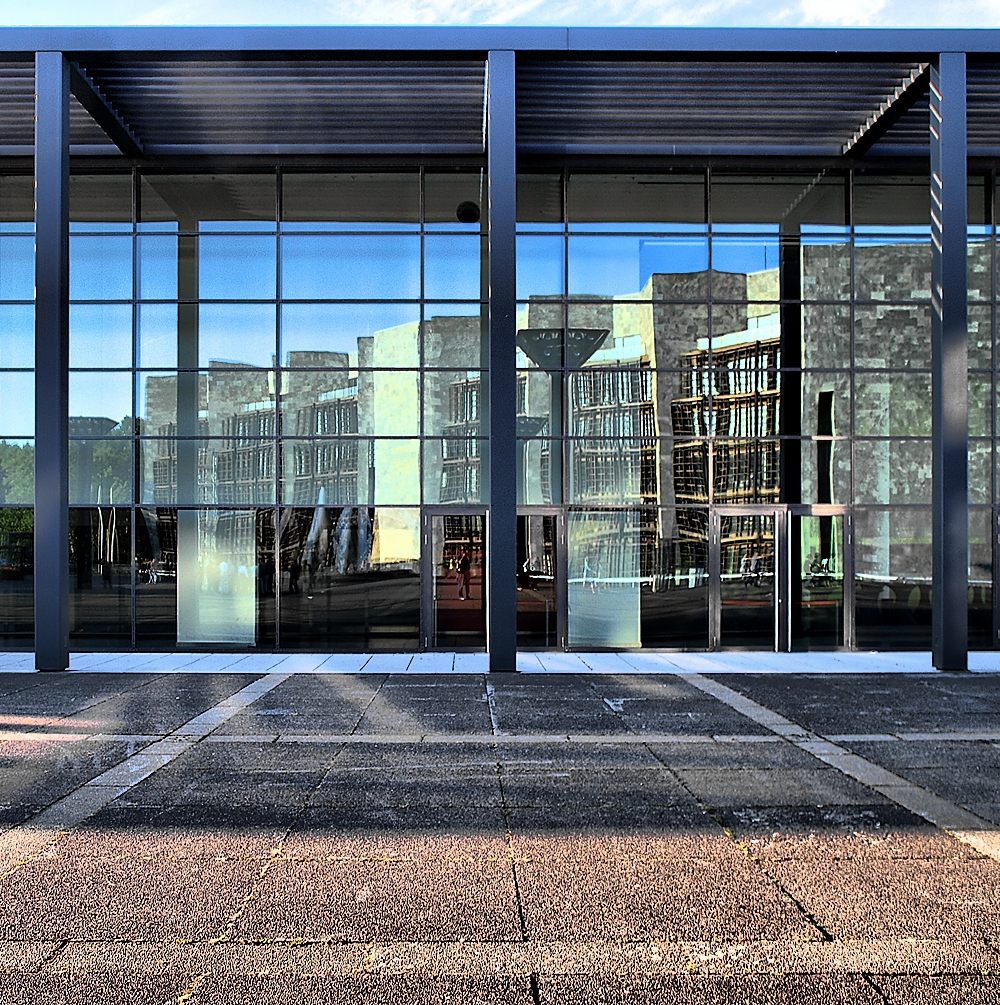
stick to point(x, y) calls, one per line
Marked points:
point(561, 568)
point(427, 514)
point(821, 509)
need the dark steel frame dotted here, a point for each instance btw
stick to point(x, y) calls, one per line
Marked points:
point(53, 49)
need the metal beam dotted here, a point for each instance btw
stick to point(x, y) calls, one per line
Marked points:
point(501, 554)
point(950, 362)
point(51, 361)
point(103, 112)
point(889, 112)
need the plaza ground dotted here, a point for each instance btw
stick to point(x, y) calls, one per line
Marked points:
point(738, 828)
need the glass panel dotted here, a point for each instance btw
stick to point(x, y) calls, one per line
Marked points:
point(612, 403)
point(610, 472)
point(17, 268)
point(537, 567)
point(100, 578)
point(324, 403)
point(541, 267)
point(341, 267)
point(17, 203)
point(690, 472)
point(350, 201)
point(17, 335)
point(452, 403)
point(458, 558)
point(453, 266)
point(603, 587)
point(773, 199)
point(217, 471)
point(100, 471)
point(100, 268)
point(539, 471)
point(17, 572)
point(825, 466)
point(100, 335)
point(17, 472)
point(980, 337)
point(902, 201)
point(892, 404)
point(826, 265)
point(455, 335)
point(108, 392)
point(453, 471)
point(208, 201)
point(746, 589)
point(826, 336)
point(236, 267)
point(636, 268)
point(236, 335)
point(980, 472)
point(745, 471)
point(156, 258)
point(156, 345)
point(350, 579)
point(981, 635)
point(980, 268)
point(17, 404)
point(350, 335)
point(980, 404)
point(455, 201)
point(674, 571)
point(539, 199)
point(892, 557)
point(817, 582)
point(892, 471)
point(745, 268)
point(892, 268)
point(892, 337)
point(100, 202)
point(654, 200)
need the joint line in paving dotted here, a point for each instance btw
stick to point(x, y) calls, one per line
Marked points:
point(961, 823)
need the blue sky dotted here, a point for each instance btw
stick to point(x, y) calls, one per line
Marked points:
point(956, 13)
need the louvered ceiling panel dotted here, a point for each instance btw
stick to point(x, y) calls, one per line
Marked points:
point(700, 107)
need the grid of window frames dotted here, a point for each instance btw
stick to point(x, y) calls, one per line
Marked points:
point(271, 373)
point(692, 341)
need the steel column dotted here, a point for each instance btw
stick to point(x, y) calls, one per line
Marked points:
point(51, 361)
point(949, 337)
point(501, 532)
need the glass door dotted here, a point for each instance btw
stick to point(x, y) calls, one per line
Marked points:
point(817, 560)
point(540, 579)
point(455, 591)
point(745, 559)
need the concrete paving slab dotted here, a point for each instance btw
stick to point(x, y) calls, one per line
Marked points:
point(558, 785)
point(743, 753)
point(388, 663)
point(386, 787)
point(350, 901)
point(473, 663)
point(722, 787)
point(432, 663)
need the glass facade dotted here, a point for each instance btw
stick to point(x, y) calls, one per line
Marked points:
point(279, 387)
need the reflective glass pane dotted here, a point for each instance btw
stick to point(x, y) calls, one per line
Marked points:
point(628, 199)
point(99, 402)
point(100, 268)
point(541, 267)
point(980, 271)
point(899, 201)
point(349, 579)
point(100, 471)
point(453, 402)
point(892, 471)
point(614, 471)
point(886, 336)
point(603, 579)
point(208, 201)
point(17, 586)
point(458, 558)
point(537, 568)
point(17, 267)
point(236, 335)
point(539, 199)
point(892, 268)
point(156, 343)
point(156, 259)
point(826, 266)
point(453, 471)
point(892, 404)
point(824, 467)
point(981, 633)
point(100, 578)
point(17, 473)
point(892, 562)
point(539, 471)
point(980, 337)
point(17, 203)
point(749, 265)
point(17, 405)
point(345, 335)
point(343, 267)
point(980, 404)
point(100, 335)
point(351, 200)
point(452, 200)
point(455, 335)
point(980, 472)
point(689, 472)
point(817, 544)
point(674, 578)
point(324, 403)
point(236, 267)
point(17, 335)
point(633, 267)
point(100, 202)
point(453, 266)
point(746, 589)
point(789, 200)
point(745, 471)
point(826, 402)
point(216, 471)
point(826, 336)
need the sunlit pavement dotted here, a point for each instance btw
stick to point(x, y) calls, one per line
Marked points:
point(642, 831)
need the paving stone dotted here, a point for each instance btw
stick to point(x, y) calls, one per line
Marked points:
point(732, 754)
point(724, 787)
point(60, 898)
point(176, 785)
point(409, 786)
point(393, 901)
point(840, 832)
point(960, 755)
point(636, 900)
point(933, 899)
point(547, 786)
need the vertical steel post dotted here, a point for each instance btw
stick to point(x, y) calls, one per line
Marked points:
point(501, 553)
point(51, 361)
point(950, 361)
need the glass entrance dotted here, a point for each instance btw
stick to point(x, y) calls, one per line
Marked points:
point(456, 610)
point(538, 558)
point(816, 557)
point(746, 581)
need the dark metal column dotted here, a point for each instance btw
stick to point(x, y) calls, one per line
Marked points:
point(501, 534)
point(51, 361)
point(949, 337)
